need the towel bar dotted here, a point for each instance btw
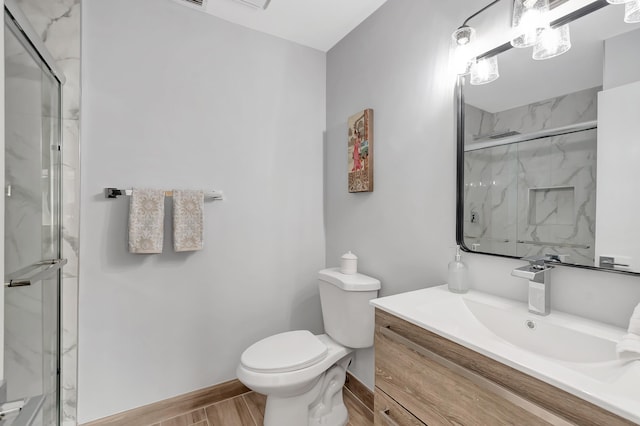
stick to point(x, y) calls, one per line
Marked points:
point(115, 193)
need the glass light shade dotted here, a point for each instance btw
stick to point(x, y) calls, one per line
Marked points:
point(632, 12)
point(463, 35)
point(460, 51)
point(528, 17)
point(552, 42)
point(484, 70)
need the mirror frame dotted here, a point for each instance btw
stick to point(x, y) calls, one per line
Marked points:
point(460, 123)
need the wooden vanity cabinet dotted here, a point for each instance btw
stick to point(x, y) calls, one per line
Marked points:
point(425, 379)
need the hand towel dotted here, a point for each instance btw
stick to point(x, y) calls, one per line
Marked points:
point(634, 322)
point(188, 229)
point(146, 221)
point(629, 347)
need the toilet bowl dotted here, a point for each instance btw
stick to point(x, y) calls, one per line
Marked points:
point(302, 374)
point(294, 391)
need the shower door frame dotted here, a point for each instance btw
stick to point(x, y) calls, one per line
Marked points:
point(33, 44)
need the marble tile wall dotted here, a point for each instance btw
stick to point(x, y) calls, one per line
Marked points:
point(507, 187)
point(58, 23)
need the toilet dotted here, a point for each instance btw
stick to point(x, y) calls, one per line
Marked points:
point(302, 374)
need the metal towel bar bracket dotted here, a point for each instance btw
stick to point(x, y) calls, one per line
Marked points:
point(17, 278)
point(115, 193)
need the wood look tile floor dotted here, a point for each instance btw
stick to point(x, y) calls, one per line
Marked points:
point(248, 410)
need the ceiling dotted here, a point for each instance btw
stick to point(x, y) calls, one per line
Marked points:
point(319, 24)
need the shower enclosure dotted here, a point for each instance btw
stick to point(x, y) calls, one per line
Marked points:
point(32, 264)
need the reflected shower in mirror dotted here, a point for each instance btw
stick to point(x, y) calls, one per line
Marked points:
point(548, 151)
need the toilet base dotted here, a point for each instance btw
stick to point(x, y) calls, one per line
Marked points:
point(322, 405)
point(337, 417)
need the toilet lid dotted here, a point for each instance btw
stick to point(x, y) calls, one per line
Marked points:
point(290, 351)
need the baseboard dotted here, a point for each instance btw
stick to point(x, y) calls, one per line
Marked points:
point(168, 408)
point(359, 390)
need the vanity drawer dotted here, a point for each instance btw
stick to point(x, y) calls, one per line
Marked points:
point(442, 382)
point(390, 413)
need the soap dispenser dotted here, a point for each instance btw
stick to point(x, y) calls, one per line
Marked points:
point(458, 282)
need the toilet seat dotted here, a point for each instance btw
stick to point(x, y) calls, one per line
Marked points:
point(284, 352)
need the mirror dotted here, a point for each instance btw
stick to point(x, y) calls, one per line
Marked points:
point(547, 153)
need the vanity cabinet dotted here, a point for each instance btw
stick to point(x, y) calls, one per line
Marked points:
point(425, 379)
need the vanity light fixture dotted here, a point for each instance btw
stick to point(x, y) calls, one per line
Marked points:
point(529, 16)
point(531, 26)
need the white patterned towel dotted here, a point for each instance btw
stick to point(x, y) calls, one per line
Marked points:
point(188, 228)
point(146, 221)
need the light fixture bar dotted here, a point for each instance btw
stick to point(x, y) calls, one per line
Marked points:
point(579, 13)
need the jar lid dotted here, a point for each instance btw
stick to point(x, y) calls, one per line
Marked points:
point(349, 256)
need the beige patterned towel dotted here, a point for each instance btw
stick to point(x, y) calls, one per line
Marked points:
point(146, 221)
point(188, 229)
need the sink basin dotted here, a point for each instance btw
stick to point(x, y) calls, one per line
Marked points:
point(572, 353)
point(551, 337)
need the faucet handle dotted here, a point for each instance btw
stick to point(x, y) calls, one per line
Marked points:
point(538, 262)
point(535, 260)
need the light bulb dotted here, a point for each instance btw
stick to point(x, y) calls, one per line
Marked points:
point(552, 42)
point(461, 60)
point(484, 70)
point(528, 17)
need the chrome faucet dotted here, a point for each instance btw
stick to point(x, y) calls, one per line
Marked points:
point(537, 272)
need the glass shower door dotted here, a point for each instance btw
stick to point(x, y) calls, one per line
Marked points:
point(32, 235)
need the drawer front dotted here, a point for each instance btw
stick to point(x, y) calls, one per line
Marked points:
point(562, 405)
point(439, 392)
point(389, 413)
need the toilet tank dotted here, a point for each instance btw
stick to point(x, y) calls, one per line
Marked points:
point(348, 317)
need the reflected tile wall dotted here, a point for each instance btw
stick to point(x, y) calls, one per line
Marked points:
point(500, 180)
point(561, 111)
point(568, 166)
point(58, 23)
point(491, 196)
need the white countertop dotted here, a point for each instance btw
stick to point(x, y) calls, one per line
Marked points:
point(613, 385)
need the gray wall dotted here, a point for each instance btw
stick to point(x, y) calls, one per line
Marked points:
point(396, 62)
point(174, 98)
point(403, 232)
